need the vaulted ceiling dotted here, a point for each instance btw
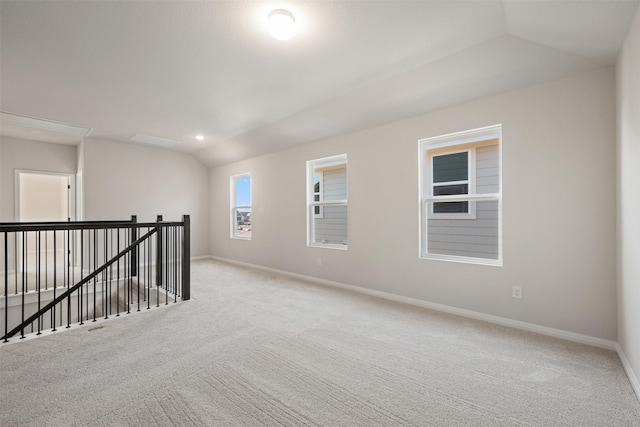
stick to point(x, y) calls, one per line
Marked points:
point(174, 69)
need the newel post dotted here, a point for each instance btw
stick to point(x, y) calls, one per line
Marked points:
point(186, 258)
point(159, 253)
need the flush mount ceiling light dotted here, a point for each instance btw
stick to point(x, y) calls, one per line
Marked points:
point(281, 24)
point(200, 137)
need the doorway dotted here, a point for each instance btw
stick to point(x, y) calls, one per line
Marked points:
point(43, 197)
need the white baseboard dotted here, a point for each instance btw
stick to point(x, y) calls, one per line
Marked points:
point(530, 327)
point(633, 379)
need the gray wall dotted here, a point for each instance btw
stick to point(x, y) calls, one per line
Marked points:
point(121, 180)
point(558, 209)
point(18, 153)
point(629, 199)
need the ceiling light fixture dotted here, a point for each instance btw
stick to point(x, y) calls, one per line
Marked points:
point(281, 24)
point(200, 137)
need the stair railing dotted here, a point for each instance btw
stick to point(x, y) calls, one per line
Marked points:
point(60, 273)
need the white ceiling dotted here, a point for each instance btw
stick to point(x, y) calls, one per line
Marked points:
point(173, 69)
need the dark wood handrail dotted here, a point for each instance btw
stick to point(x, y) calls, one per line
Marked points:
point(80, 225)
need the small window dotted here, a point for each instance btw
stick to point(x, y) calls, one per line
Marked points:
point(327, 202)
point(460, 196)
point(241, 206)
point(450, 177)
point(317, 193)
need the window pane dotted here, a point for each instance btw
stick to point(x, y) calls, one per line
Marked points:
point(243, 222)
point(316, 182)
point(243, 190)
point(449, 190)
point(334, 183)
point(476, 238)
point(451, 207)
point(332, 227)
point(451, 167)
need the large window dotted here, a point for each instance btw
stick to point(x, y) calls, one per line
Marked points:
point(460, 196)
point(241, 206)
point(327, 202)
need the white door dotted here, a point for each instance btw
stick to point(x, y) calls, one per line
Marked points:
point(43, 197)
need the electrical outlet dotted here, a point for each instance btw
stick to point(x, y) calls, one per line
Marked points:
point(319, 261)
point(516, 292)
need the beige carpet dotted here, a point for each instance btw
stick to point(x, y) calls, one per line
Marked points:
point(256, 349)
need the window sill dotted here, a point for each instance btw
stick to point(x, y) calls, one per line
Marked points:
point(463, 259)
point(451, 216)
point(328, 246)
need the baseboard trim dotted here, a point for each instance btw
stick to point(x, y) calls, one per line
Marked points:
point(503, 321)
point(633, 379)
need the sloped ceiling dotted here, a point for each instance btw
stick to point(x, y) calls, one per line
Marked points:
point(173, 69)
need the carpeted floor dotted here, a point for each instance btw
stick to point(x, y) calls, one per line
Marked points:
point(256, 349)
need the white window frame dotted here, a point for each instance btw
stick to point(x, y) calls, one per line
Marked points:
point(235, 206)
point(449, 144)
point(311, 203)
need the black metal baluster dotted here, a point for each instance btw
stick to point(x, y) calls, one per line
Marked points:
point(95, 263)
point(55, 282)
point(71, 253)
point(68, 276)
point(118, 278)
point(6, 286)
point(107, 274)
point(81, 295)
point(175, 264)
point(24, 269)
point(103, 287)
point(15, 261)
point(134, 251)
point(46, 261)
point(38, 278)
point(137, 264)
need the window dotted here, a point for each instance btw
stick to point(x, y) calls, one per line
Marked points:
point(241, 206)
point(327, 202)
point(460, 196)
point(317, 194)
